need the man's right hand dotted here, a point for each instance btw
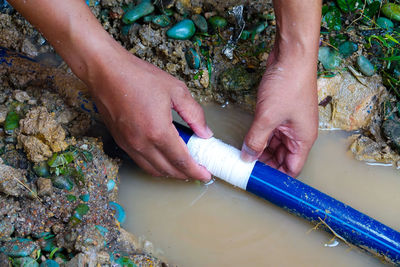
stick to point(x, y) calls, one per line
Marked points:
point(135, 99)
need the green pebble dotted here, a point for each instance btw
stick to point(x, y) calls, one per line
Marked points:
point(148, 18)
point(260, 27)
point(347, 48)
point(168, 12)
point(71, 198)
point(329, 58)
point(141, 10)
point(161, 20)
point(183, 30)
point(391, 10)
point(119, 214)
point(49, 263)
point(80, 211)
point(217, 22)
point(200, 22)
point(85, 197)
point(193, 58)
point(25, 262)
point(385, 23)
point(245, 35)
point(110, 185)
point(125, 29)
point(365, 66)
point(18, 247)
point(49, 245)
point(62, 182)
point(41, 169)
point(12, 121)
point(103, 231)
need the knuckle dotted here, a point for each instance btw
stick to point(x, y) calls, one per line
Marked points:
point(254, 144)
point(155, 136)
point(181, 164)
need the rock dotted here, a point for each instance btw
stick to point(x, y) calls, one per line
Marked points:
point(11, 179)
point(200, 22)
point(41, 135)
point(217, 22)
point(47, 244)
point(35, 149)
point(6, 228)
point(79, 261)
point(365, 66)
point(193, 58)
point(62, 182)
point(21, 96)
point(127, 241)
point(161, 20)
point(391, 10)
point(385, 23)
point(140, 10)
point(238, 80)
point(391, 130)
point(365, 149)
point(329, 58)
point(45, 187)
point(4, 260)
point(183, 30)
point(18, 247)
point(205, 79)
point(353, 104)
point(91, 239)
point(119, 212)
point(347, 48)
point(3, 113)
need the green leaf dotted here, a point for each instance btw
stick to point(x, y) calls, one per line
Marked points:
point(393, 58)
point(347, 5)
point(332, 19)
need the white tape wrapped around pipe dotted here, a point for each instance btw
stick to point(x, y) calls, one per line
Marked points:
point(221, 160)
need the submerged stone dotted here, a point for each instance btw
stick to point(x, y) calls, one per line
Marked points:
point(391, 130)
point(193, 58)
point(25, 262)
point(217, 22)
point(238, 80)
point(391, 10)
point(347, 48)
point(329, 58)
point(161, 20)
point(49, 263)
point(385, 23)
point(119, 211)
point(62, 182)
point(200, 22)
point(183, 30)
point(365, 66)
point(141, 10)
point(18, 247)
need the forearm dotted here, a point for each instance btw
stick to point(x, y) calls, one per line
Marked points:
point(71, 29)
point(298, 26)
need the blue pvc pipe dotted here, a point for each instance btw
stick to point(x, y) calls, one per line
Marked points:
point(306, 202)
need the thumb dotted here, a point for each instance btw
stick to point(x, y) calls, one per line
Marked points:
point(192, 113)
point(257, 138)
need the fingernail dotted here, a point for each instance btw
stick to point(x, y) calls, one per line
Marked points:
point(248, 154)
point(206, 175)
point(209, 132)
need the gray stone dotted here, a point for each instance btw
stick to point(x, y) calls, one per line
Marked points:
point(21, 96)
point(45, 186)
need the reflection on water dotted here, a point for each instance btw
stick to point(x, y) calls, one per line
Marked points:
point(218, 225)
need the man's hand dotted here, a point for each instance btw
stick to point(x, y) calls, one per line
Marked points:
point(286, 117)
point(135, 99)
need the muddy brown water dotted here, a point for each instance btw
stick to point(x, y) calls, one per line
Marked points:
point(217, 225)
